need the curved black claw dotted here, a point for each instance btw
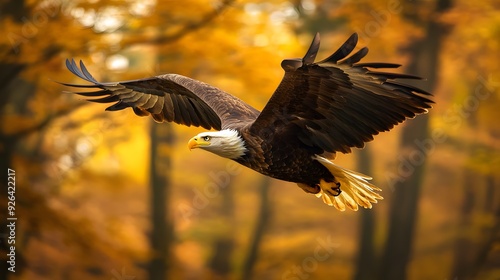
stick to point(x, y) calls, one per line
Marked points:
point(335, 191)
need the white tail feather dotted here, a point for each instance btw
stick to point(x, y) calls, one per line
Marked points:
point(356, 190)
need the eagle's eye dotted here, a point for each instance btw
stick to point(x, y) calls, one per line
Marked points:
point(206, 138)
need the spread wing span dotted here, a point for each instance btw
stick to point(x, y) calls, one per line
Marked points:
point(338, 103)
point(170, 98)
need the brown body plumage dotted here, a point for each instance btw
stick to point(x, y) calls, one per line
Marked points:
point(318, 109)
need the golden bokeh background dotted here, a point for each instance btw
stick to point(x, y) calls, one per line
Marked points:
point(109, 195)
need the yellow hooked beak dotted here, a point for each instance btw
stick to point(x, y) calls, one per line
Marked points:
point(197, 142)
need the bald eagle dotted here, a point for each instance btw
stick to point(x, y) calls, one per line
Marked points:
point(319, 109)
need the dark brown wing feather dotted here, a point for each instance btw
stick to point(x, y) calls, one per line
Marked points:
point(169, 98)
point(338, 103)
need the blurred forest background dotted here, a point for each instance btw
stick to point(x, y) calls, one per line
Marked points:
point(113, 196)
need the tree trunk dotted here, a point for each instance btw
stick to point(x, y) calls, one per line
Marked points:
point(463, 245)
point(220, 262)
point(161, 232)
point(262, 221)
point(365, 263)
point(403, 209)
point(485, 263)
point(403, 214)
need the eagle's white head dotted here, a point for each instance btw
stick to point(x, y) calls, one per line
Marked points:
point(225, 143)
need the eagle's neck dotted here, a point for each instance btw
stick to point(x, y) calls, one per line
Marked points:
point(229, 144)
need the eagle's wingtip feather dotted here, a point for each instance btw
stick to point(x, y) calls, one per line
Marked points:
point(311, 53)
point(343, 51)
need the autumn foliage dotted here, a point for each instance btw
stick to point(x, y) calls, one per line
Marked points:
point(84, 176)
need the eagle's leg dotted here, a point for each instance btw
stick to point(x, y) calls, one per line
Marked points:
point(334, 189)
point(309, 188)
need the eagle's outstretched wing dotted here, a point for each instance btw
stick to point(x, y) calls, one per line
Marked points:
point(169, 98)
point(338, 103)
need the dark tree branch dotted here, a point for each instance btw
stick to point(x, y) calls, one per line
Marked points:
point(45, 122)
point(185, 30)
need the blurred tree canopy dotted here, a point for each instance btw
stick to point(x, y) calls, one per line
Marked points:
point(82, 174)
